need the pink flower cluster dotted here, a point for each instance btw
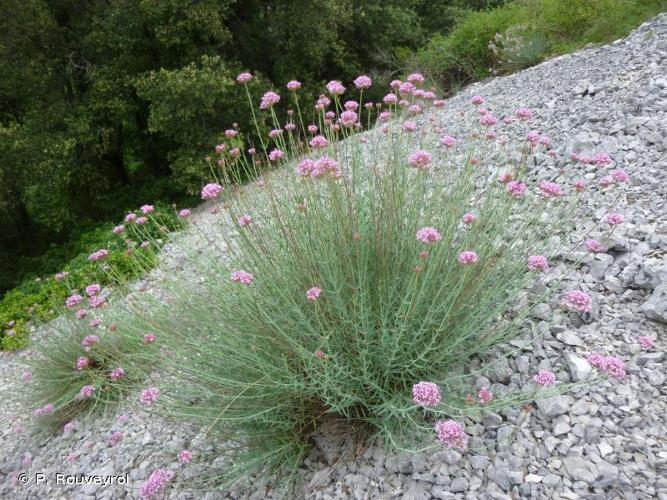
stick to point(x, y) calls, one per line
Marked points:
point(313, 293)
point(149, 396)
point(242, 277)
point(211, 190)
point(428, 235)
point(451, 434)
point(156, 483)
point(544, 378)
point(116, 373)
point(93, 289)
point(550, 189)
point(515, 188)
point(86, 391)
point(420, 160)
point(537, 263)
point(467, 258)
point(82, 363)
point(98, 255)
point(268, 100)
point(576, 300)
point(426, 394)
point(73, 300)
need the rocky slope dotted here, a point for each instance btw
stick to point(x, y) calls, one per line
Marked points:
point(604, 441)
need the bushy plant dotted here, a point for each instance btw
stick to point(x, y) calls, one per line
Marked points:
point(364, 283)
point(38, 300)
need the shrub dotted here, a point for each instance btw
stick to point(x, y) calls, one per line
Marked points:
point(364, 284)
point(41, 299)
point(521, 33)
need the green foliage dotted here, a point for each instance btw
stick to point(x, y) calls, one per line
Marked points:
point(521, 33)
point(261, 366)
point(41, 299)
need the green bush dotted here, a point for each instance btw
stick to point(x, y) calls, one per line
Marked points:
point(41, 299)
point(522, 33)
point(332, 304)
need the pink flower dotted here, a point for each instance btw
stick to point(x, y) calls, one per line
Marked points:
point(485, 395)
point(86, 391)
point(312, 128)
point(268, 100)
point(82, 363)
point(645, 342)
point(242, 277)
point(118, 229)
point(89, 340)
point(116, 373)
point(620, 175)
point(614, 219)
point(220, 148)
point(47, 408)
point(439, 103)
point(420, 159)
point(322, 102)
point(95, 322)
point(468, 218)
point(550, 189)
point(390, 98)
point(579, 185)
point(576, 300)
point(93, 289)
point(122, 419)
point(544, 378)
point(606, 181)
point(131, 217)
point(451, 434)
point(27, 376)
point(211, 190)
point(488, 119)
point(313, 293)
point(409, 126)
point(426, 394)
point(231, 133)
point(19, 429)
point(184, 213)
point(244, 77)
point(141, 220)
point(319, 354)
point(290, 126)
point(601, 159)
point(305, 167)
point(362, 82)
point(335, 87)
point(428, 235)
point(467, 258)
point(537, 263)
point(149, 396)
point(395, 84)
point(614, 367)
point(149, 338)
point(276, 154)
point(293, 85)
point(596, 360)
point(593, 246)
point(245, 220)
point(406, 88)
point(185, 456)
point(115, 438)
point(276, 132)
point(515, 188)
point(68, 427)
point(448, 141)
point(523, 113)
point(73, 300)
point(155, 485)
point(324, 166)
point(146, 209)
point(477, 100)
point(348, 118)
point(319, 142)
point(416, 78)
point(96, 301)
point(98, 255)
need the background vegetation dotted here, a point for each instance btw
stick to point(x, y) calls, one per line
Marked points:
point(105, 105)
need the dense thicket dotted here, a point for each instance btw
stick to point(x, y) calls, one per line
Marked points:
point(106, 104)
